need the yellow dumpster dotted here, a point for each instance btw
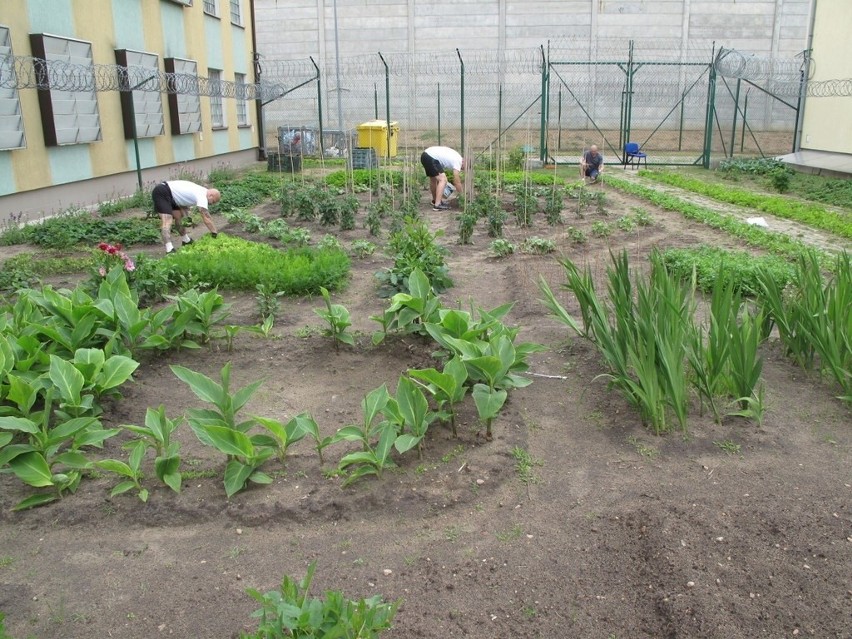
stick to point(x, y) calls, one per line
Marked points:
point(374, 135)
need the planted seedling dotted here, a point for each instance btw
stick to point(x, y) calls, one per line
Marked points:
point(337, 317)
point(157, 435)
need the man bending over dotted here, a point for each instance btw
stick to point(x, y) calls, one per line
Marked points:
point(173, 199)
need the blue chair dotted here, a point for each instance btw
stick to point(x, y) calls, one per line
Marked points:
point(633, 156)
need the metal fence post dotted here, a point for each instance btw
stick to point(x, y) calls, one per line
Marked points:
point(745, 123)
point(376, 100)
point(463, 152)
point(711, 107)
point(387, 102)
point(439, 114)
point(542, 138)
point(680, 126)
point(319, 106)
point(734, 124)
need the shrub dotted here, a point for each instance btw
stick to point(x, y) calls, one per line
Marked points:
point(576, 235)
point(363, 248)
point(234, 263)
point(601, 229)
point(467, 222)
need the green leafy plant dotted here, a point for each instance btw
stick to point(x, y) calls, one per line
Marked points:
point(156, 435)
point(376, 438)
point(538, 246)
point(526, 206)
point(626, 223)
point(601, 229)
point(502, 247)
point(348, 207)
point(409, 312)
point(218, 427)
point(363, 248)
point(268, 301)
point(290, 612)
point(467, 222)
point(576, 235)
point(337, 318)
point(414, 247)
point(554, 203)
point(234, 263)
point(447, 387)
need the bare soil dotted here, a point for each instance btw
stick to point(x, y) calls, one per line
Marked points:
point(621, 534)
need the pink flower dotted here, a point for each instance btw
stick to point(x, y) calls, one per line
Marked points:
point(103, 246)
point(102, 271)
point(129, 265)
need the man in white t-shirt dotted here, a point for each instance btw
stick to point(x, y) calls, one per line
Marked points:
point(436, 160)
point(173, 199)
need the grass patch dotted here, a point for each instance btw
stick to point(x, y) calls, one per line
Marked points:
point(238, 264)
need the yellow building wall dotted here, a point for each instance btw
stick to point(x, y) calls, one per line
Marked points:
point(827, 124)
point(92, 21)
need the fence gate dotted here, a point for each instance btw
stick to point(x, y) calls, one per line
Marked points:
point(657, 97)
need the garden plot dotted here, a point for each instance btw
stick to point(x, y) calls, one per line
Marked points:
point(575, 520)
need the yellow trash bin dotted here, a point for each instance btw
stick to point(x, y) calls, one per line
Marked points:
point(374, 135)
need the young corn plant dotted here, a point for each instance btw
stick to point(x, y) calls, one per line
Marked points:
point(281, 436)
point(218, 427)
point(204, 310)
point(337, 317)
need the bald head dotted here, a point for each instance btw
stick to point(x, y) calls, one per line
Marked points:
point(213, 196)
point(594, 149)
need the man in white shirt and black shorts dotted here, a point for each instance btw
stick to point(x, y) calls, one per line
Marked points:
point(436, 160)
point(173, 199)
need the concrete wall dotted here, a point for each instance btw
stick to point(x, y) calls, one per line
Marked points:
point(431, 30)
point(828, 121)
point(51, 175)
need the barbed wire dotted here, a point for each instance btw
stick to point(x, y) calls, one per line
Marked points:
point(26, 72)
point(781, 76)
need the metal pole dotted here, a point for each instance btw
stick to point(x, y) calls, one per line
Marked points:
point(337, 72)
point(800, 104)
point(745, 124)
point(680, 126)
point(387, 102)
point(135, 135)
point(319, 105)
point(376, 99)
point(439, 114)
point(499, 128)
point(542, 137)
point(559, 121)
point(711, 107)
point(629, 100)
point(734, 125)
point(462, 102)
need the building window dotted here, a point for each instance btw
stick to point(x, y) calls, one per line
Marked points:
point(236, 13)
point(67, 117)
point(11, 120)
point(210, 7)
point(217, 113)
point(242, 104)
point(184, 103)
point(141, 100)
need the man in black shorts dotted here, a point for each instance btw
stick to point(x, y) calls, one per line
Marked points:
point(436, 160)
point(173, 199)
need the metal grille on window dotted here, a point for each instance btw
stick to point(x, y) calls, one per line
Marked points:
point(209, 7)
point(242, 107)
point(217, 114)
point(236, 14)
point(11, 121)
